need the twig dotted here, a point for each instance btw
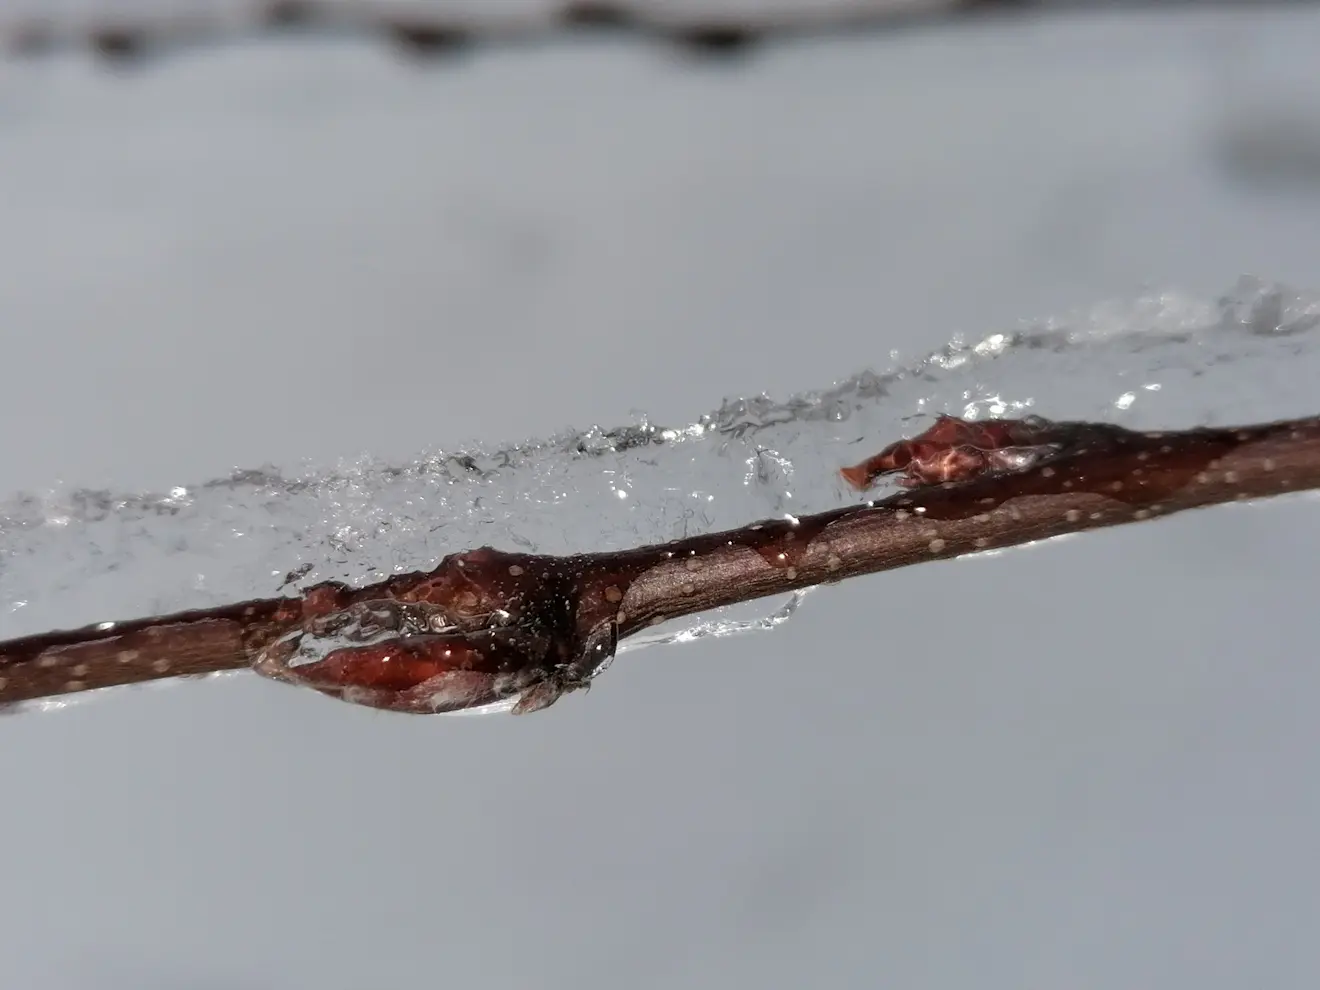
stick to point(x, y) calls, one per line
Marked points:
point(436, 32)
point(490, 627)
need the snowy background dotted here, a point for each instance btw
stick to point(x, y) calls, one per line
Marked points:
point(1086, 765)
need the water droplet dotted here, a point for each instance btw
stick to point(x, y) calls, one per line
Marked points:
point(368, 623)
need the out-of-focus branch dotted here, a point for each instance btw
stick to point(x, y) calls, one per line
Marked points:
point(493, 627)
point(422, 29)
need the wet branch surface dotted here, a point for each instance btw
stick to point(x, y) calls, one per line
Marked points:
point(489, 627)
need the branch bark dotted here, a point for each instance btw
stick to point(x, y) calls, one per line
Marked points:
point(490, 627)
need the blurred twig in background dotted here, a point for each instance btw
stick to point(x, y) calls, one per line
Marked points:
point(431, 29)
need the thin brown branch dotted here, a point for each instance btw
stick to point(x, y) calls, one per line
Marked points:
point(488, 626)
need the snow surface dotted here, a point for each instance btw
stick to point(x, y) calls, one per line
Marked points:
point(1086, 765)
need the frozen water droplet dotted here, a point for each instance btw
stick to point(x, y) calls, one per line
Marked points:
point(362, 624)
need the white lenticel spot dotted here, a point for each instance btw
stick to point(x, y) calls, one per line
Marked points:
point(4, 682)
point(74, 685)
point(689, 589)
point(1203, 477)
point(1268, 464)
point(1072, 515)
point(80, 670)
point(1231, 477)
point(937, 546)
point(1097, 515)
point(516, 570)
point(982, 541)
point(983, 517)
point(902, 514)
point(160, 666)
point(792, 573)
point(622, 616)
point(833, 563)
point(613, 594)
point(1047, 472)
point(1116, 486)
point(693, 564)
point(47, 661)
point(1166, 449)
point(1141, 514)
point(1143, 455)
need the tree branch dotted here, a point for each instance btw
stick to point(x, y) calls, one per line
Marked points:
point(490, 627)
point(437, 32)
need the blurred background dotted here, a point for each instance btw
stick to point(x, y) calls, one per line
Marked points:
point(233, 235)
